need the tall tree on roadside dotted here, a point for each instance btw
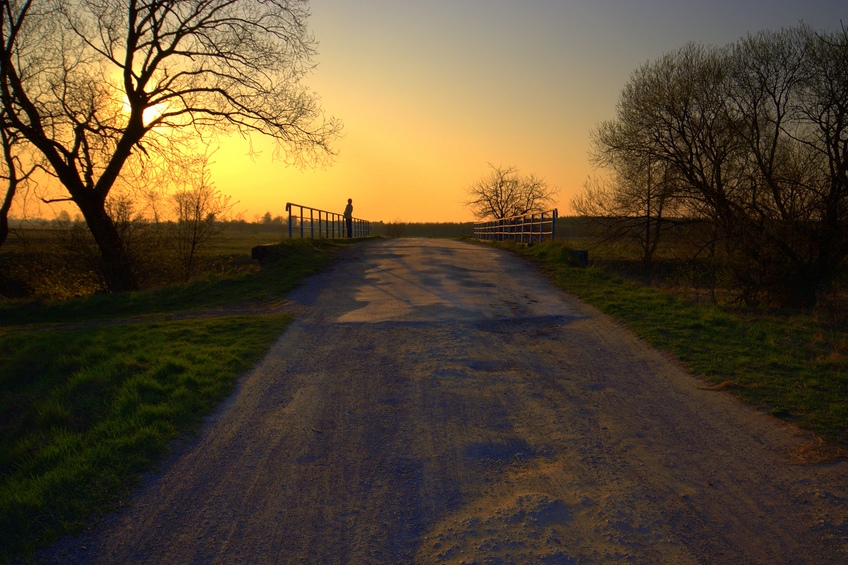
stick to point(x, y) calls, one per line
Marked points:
point(200, 213)
point(91, 83)
point(13, 172)
point(756, 134)
point(505, 193)
point(823, 109)
point(639, 204)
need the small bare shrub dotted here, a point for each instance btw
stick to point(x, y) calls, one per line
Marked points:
point(395, 229)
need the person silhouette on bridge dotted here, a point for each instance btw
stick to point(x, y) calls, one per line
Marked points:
point(348, 216)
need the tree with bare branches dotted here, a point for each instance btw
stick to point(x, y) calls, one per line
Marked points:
point(754, 135)
point(505, 193)
point(14, 173)
point(200, 212)
point(92, 84)
point(639, 204)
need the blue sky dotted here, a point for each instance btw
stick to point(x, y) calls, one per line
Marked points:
point(432, 91)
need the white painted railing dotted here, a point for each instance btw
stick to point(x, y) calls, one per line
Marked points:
point(526, 229)
point(315, 223)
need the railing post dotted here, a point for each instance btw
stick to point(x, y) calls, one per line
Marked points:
point(542, 229)
point(329, 224)
point(525, 228)
point(554, 216)
point(288, 209)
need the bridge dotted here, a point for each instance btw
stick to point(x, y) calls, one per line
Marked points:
point(314, 223)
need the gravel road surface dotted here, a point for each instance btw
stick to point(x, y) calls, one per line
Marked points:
point(440, 402)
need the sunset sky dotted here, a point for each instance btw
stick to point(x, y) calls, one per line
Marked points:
point(432, 91)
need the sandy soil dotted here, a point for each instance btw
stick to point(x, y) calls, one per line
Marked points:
point(439, 402)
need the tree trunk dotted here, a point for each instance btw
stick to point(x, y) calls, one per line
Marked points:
point(4, 228)
point(11, 186)
point(802, 287)
point(118, 270)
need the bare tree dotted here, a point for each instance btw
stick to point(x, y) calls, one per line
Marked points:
point(395, 228)
point(13, 171)
point(505, 193)
point(201, 212)
point(755, 135)
point(823, 107)
point(89, 83)
point(639, 204)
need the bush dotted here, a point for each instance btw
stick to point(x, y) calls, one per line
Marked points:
point(395, 229)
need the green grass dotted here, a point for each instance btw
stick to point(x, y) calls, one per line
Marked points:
point(788, 364)
point(300, 258)
point(95, 390)
point(91, 397)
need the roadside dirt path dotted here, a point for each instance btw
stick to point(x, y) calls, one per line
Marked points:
point(440, 402)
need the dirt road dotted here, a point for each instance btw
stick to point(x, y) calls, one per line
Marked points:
point(439, 402)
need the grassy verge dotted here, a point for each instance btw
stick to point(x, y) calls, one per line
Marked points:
point(297, 259)
point(787, 364)
point(85, 410)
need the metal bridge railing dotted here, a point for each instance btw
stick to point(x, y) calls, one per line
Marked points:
point(526, 229)
point(314, 223)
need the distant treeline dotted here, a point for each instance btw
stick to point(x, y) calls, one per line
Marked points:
point(425, 229)
point(569, 228)
point(565, 226)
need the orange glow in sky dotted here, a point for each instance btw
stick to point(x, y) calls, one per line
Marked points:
point(430, 92)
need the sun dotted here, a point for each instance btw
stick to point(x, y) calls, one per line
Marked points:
point(150, 114)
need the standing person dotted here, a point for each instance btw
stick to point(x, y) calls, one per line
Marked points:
point(348, 216)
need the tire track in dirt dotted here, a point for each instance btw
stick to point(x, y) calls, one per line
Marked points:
point(439, 402)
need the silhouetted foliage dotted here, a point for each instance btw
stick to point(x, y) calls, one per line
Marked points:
point(14, 171)
point(200, 212)
point(752, 138)
point(641, 206)
point(92, 85)
point(505, 193)
point(394, 229)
